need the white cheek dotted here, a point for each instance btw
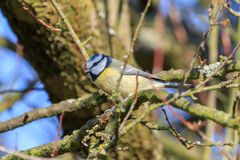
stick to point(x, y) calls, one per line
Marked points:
point(99, 67)
point(90, 64)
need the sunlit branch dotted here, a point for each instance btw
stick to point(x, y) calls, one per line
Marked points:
point(71, 30)
point(61, 107)
point(135, 36)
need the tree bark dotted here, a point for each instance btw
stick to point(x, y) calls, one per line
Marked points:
point(55, 57)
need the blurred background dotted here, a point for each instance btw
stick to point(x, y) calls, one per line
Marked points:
point(169, 38)
point(21, 91)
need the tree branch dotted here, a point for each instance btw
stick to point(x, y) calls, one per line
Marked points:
point(70, 105)
point(194, 109)
point(21, 155)
point(178, 74)
point(71, 30)
point(69, 143)
point(72, 142)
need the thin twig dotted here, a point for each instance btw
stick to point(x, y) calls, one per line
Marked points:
point(154, 126)
point(216, 87)
point(205, 138)
point(227, 7)
point(135, 36)
point(55, 144)
point(177, 75)
point(187, 124)
point(86, 41)
point(189, 144)
point(21, 155)
point(20, 91)
point(175, 133)
point(190, 66)
point(71, 30)
point(48, 26)
point(109, 36)
point(69, 143)
point(225, 84)
point(235, 104)
point(132, 105)
point(139, 118)
point(220, 67)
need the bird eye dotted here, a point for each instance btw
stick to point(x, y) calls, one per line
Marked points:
point(95, 63)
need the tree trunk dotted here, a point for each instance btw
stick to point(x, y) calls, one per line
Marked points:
point(58, 62)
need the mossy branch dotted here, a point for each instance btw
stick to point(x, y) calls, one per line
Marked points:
point(69, 143)
point(194, 109)
point(73, 142)
point(70, 105)
point(71, 30)
point(177, 74)
point(94, 99)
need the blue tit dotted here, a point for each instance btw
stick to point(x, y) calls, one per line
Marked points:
point(105, 71)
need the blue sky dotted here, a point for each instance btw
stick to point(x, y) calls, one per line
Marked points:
point(190, 11)
point(15, 74)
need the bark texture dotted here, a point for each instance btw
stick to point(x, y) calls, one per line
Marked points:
point(56, 58)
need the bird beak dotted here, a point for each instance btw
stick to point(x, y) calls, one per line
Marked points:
point(87, 70)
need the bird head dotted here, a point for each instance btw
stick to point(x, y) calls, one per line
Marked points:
point(97, 64)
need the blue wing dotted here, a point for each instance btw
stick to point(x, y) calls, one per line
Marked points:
point(130, 70)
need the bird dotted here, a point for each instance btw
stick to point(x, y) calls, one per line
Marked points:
point(105, 72)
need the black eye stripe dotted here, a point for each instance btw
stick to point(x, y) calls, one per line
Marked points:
point(96, 63)
point(108, 62)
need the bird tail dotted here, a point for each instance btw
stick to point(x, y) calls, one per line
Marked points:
point(176, 85)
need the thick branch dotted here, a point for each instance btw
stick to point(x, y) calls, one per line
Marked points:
point(70, 105)
point(192, 108)
point(74, 141)
point(87, 102)
point(195, 73)
point(69, 143)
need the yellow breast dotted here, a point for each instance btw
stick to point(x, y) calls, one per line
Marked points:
point(107, 81)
